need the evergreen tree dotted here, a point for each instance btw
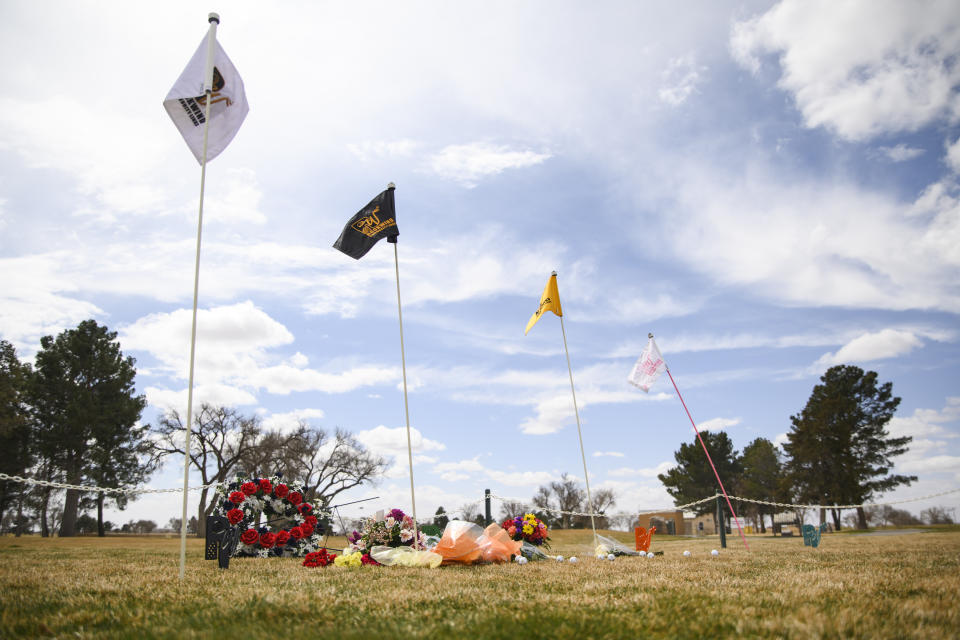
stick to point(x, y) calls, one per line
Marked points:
point(16, 453)
point(86, 411)
point(693, 479)
point(840, 451)
point(763, 478)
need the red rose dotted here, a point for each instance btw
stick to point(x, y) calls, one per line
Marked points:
point(249, 488)
point(307, 529)
point(268, 539)
point(280, 490)
point(366, 559)
point(311, 520)
point(296, 533)
point(237, 497)
point(282, 538)
point(294, 497)
point(265, 486)
point(312, 559)
point(250, 536)
point(305, 508)
point(234, 516)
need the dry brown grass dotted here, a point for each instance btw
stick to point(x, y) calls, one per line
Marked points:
point(852, 586)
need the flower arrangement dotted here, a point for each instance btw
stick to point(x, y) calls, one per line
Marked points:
point(394, 530)
point(319, 558)
point(350, 560)
point(528, 528)
point(243, 500)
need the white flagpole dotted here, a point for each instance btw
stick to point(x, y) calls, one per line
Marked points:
point(406, 405)
point(214, 20)
point(586, 476)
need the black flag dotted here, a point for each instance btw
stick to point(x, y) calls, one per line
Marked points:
point(375, 221)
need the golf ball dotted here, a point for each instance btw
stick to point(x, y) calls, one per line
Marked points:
point(650, 555)
point(714, 553)
point(573, 560)
point(686, 554)
point(610, 556)
point(559, 558)
point(521, 560)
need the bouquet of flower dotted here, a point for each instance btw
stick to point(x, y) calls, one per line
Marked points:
point(528, 528)
point(319, 558)
point(243, 500)
point(395, 530)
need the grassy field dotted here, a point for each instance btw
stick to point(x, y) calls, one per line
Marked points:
point(889, 586)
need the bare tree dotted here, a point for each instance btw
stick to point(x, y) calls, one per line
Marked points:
point(219, 440)
point(327, 465)
point(603, 501)
point(564, 497)
point(545, 507)
point(511, 509)
point(471, 513)
point(936, 515)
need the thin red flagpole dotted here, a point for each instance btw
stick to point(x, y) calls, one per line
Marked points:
point(737, 520)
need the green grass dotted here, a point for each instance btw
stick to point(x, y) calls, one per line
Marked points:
point(899, 586)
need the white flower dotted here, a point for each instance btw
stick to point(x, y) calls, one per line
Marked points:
point(264, 553)
point(390, 522)
point(406, 535)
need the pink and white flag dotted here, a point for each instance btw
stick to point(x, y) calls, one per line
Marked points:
point(648, 367)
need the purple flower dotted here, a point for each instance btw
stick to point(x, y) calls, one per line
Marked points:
point(397, 514)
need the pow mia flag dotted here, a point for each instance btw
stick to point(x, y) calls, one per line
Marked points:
point(375, 221)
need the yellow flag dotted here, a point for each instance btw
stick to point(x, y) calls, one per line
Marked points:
point(549, 301)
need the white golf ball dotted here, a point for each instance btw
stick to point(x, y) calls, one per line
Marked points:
point(650, 555)
point(521, 560)
point(714, 553)
point(686, 554)
point(559, 558)
point(610, 556)
point(573, 560)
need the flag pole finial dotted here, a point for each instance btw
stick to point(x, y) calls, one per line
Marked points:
point(650, 335)
point(554, 273)
point(213, 17)
point(390, 185)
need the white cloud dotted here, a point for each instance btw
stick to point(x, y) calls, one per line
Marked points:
point(716, 424)
point(473, 468)
point(888, 343)
point(649, 472)
point(927, 423)
point(861, 68)
point(469, 163)
point(680, 79)
point(814, 244)
point(376, 149)
point(901, 152)
point(953, 155)
point(612, 454)
point(393, 442)
point(289, 421)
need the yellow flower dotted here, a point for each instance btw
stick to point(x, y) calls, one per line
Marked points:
point(349, 560)
point(527, 529)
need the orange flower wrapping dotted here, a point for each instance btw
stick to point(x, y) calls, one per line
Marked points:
point(459, 543)
point(497, 545)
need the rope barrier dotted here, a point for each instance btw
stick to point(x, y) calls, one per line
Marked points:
point(682, 507)
point(83, 487)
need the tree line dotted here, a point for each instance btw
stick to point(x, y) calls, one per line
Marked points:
point(74, 417)
point(837, 452)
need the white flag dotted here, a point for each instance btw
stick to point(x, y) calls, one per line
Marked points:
point(186, 102)
point(648, 367)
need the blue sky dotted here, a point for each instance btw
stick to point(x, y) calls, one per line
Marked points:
point(769, 187)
